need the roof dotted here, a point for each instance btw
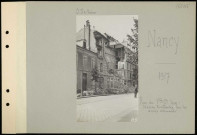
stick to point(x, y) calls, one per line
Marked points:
point(80, 35)
point(98, 34)
point(114, 43)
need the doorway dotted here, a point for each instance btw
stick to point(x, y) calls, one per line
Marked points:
point(84, 82)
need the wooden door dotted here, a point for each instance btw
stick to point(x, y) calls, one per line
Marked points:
point(84, 82)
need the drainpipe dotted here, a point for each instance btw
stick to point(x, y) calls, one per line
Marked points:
point(84, 32)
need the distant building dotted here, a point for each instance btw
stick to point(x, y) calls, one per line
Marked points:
point(112, 59)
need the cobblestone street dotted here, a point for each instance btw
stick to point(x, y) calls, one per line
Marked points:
point(120, 108)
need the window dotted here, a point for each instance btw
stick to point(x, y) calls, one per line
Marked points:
point(108, 82)
point(77, 59)
point(125, 83)
point(101, 67)
point(92, 63)
point(100, 53)
point(130, 67)
point(116, 53)
point(111, 83)
point(101, 84)
point(116, 83)
point(84, 61)
point(116, 66)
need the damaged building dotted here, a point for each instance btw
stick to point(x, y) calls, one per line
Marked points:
point(112, 60)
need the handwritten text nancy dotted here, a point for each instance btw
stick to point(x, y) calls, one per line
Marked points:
point(156, 40)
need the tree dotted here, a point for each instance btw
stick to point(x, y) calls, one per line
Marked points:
point(133, 38)
point(95, 75)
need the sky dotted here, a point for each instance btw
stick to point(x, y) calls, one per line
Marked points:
point(117, 26)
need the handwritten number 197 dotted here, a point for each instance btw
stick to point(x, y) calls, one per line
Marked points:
point(164, 76)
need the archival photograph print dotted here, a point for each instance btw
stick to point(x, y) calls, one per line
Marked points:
point(107, 68)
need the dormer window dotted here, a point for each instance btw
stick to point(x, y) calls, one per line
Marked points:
point(106, 43)
point(101, 42)
point(99, 53)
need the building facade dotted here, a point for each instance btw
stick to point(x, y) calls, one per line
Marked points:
point(86, 62)
point(109, 58)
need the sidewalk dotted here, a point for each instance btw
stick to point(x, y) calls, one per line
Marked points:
point(109, 108)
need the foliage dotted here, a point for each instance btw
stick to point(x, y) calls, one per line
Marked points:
point(95, 74)
point(135, 75)
point(133, 38)
point(100, 92)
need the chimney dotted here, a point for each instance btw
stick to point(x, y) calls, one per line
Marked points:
point(84, 40)
point(88, 26)
point(87, 23)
